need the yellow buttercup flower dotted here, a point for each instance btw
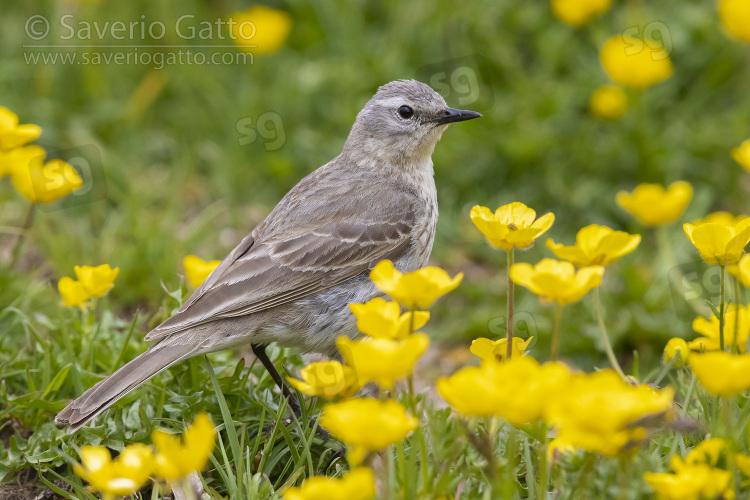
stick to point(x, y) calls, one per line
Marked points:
point(736, 318)
point(517, 390)
point(719, 243)
point(635, 63)
point(676, 347)
point(596, 246)
point(357, 484)
point(579, 12)
point(691, 482)
point(653, 205)
point(556, 281)
point(419, 288)
point(197, 269)
point(721, 373)
point(495, 350)
point(600, 412)
point(41, 182)
point(260, 29)
point(366, 424)
point(92, 282)
point(175, 457)
point(511, 226)
point(743, 463)
point(608, 103)
point(73, 292)
point(381, 319)
point(708, 452)
point(19, 158)
point(13, 135)
point(741, 270)
point(742, 154)
point(98, 280)
point(119, 477)
point(735, 16)
point(329, 379)
point(723, 218)
point(380, 360)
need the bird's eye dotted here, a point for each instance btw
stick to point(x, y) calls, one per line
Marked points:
point(405, 112)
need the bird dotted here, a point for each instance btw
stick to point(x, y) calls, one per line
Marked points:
point(290, 280)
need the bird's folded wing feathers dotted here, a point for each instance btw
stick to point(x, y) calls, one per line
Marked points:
point(262, 273)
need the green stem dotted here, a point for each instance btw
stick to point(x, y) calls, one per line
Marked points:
point(605, 337)
point(735, 346)
point(511, 450)
point(721, 309)
point(426, 483)
point(542, 488)
point(23, 231)
point(555, 347)
point(509, 336)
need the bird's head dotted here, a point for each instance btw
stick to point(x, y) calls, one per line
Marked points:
point(403, 122)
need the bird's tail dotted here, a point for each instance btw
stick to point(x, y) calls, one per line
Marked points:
point(105, 393)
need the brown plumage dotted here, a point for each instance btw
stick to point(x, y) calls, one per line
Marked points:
point(290, 280)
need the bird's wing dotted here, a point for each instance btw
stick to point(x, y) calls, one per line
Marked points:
point(268, 271)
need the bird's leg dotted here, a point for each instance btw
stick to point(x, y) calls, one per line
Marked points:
point(260, 353)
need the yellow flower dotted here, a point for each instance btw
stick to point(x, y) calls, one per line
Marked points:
point(579, 12)
point(517, 390)
point(13, 135)
point(691, 482)
point(41, 182)
point(596, 246)
point(741, 270)
point(357, 484)
point(380, 319)
point(511, 226)
point(676, 347)
point(175, 457)
point(743, 463)
point(382, 361)
point(707, 452)
point(719, 243)
point(742, 154)
point(723, 218)
point(98, 280)
point(19, 158)
point(119, 477)
point(556, 281)
point(197, 269)
point(709, 328)
point(601, 412)
point(419, 288)
point(73, 292)
point(260, 29)
point(495, 350)
point(633, 63)
point(608, 103)
point(329, 379)
point(653, 205)
point(366, 424)
point(735, 16)
point(721, 373)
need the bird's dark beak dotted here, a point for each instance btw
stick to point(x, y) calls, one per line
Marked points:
point(451, 115)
